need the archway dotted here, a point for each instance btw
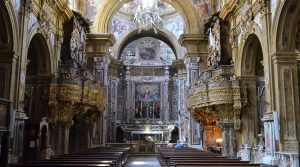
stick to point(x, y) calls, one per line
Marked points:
point(6, 51)
point(36, 94)
point(286, 26)
point(7, 65)
point(253, 76)
point(174, 135)
point(162, 35)
point(120, 135)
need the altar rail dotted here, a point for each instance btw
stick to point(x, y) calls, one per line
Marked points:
point(139, 147)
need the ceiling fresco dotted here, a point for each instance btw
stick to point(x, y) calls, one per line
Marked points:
point(123, 19)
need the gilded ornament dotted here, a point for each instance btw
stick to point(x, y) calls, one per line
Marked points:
point(221, 97)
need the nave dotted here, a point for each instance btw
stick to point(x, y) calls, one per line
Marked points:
point(219, 76)
point(123, 156)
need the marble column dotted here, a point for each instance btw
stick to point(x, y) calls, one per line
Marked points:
point(128, 96)
point(229, 140)
point(166, 101)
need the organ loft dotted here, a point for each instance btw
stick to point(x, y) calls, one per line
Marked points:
point(149, 82)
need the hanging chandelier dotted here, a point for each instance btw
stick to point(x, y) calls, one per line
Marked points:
point(147, 15)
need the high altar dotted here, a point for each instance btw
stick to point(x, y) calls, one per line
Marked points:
point(147, 90)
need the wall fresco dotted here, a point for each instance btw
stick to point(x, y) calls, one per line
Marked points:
point(175, 25)
point(203, 7)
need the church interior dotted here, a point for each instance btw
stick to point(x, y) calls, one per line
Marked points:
point(186, 82)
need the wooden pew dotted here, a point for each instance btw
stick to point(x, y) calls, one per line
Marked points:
point(105, 156)
point(58, 165)
point(192, 157)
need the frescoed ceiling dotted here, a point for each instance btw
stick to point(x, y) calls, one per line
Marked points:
point(123, 19)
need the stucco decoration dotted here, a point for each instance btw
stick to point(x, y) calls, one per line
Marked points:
point(214, 47)
point(78, 44)
point(123, 20)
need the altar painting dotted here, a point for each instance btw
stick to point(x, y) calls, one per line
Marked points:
point(147, 101)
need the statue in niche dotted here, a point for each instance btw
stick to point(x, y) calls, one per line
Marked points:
point(78, 44)
point(214, 47)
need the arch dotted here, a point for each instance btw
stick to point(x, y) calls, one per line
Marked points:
point(263, 40)
point(8, 50)
point(185, 8)
point(8, 26)
point(251, 50)
point(37, 85)
point(252, 73)
point(174, 135)
point(162, 34)
point(285, 25)
point(47, 47)
point(40, 48)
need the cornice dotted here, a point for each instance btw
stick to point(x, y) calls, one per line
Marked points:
point(178, 64)
point(228, 9)
point(63, 9)
point(107, 38)
point(191, 38)
point(116, 64)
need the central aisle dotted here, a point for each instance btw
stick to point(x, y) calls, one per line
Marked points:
point(143, 161)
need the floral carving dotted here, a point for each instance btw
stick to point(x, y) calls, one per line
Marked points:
point(222, 97)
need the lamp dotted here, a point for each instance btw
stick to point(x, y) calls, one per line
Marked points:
point(219, 141)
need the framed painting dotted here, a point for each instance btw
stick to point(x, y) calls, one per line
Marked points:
point(147, 101)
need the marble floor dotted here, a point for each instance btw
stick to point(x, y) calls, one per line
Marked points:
point(142, 161)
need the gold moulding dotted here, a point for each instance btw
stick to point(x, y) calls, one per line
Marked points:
point(223, 103)
point(70, 100)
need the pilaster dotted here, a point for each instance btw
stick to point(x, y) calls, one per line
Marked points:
point(98, 44)
point(182, 109)
point(196, 55)
point(26, 10)
point(98, 53)
point(287, 99)
point(250, 116)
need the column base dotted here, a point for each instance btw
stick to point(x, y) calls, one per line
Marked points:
point(269, 160)
point(287, 159)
